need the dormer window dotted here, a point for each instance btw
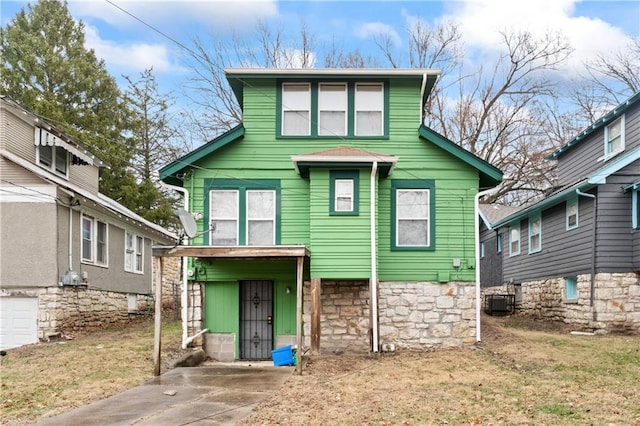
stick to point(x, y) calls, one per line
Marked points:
point(614, 138)
point(333, 109)
point(54, 158)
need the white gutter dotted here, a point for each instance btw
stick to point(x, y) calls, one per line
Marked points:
point(422, 89)
point(184, 296)
point(374, 256)
point(476, 208)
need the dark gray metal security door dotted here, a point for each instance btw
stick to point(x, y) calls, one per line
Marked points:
point(256, 319)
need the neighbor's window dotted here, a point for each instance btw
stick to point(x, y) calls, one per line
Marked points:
point(343, 192)
point(369, 109)
point(482, 249)
point(572, 214)
point(614, 137)
point(412, 214)
point(635, 210)
point(54, 158)
point(571, 287)
point(514, 241)
point(296, 109)
point(94, 241)
point(535, 234)
point(133, 253)
point(499, 243)
point(332, 109)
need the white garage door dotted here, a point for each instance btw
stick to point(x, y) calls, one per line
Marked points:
point(18, 321)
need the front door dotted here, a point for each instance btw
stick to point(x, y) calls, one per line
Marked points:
point(256, 319)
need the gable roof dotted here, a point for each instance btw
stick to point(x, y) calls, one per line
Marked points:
point(490, 176)
point(168, 173)
point(343, 156)
point(606, 119)
point(493, 213)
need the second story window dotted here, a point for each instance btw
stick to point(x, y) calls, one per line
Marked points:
point(296, 109)
point(614, 137)
point(54, 158)
point(514, 241)
point(369, 109)
point(344, 192)
point(332, 109)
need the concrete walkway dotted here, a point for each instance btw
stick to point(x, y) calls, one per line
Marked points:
point(212, 394)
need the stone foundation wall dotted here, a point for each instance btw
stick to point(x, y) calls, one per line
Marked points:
point(616, 306)
point(195, 314)
point(418, 315)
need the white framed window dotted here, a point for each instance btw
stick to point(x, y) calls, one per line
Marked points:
point(332, 109)
point(572, 214)
point(261, 217)
point(514, 241)
point(343, 200)
point(535, 234)
point(369, 109)
point(94, 245)
point(296, 109)
point(499, 243)
point(482, 249)
point(614, 138)
point(54, 159)
point(224, 214)
point(635, 209)
point(133, 253)
point(412, 218)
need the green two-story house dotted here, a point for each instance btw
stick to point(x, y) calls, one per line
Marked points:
point(331, 217)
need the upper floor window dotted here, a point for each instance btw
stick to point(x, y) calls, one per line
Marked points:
point(614, 137)
point(332, 109)
point(133, 253)
point(635, 209)
point(54, 158)
point(535, 234)
point(242, 215)
point(94, 241)
point(572, 214)
point(412, 207)
point(344, 192)
point(514, 241)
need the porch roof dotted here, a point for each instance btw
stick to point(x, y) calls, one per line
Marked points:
point(232, 252)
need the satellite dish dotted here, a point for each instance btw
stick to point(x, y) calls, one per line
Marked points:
point(188, 222)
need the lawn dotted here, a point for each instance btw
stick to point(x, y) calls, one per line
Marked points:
point(523, 372)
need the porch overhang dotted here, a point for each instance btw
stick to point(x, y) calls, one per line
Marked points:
point(232, 252)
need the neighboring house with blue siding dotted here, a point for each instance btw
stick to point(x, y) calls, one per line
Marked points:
point(576, 253)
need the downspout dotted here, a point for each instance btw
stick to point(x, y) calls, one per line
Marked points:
point(593, 243)
point(71, 235)
point(374, 262)
point(423, 87)
point(476, 209)
point(184, 297)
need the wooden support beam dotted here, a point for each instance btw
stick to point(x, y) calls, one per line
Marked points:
point(299, 311)
point(316, 307)
point(158, 317)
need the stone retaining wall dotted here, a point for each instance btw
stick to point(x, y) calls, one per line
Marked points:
point(616, 306)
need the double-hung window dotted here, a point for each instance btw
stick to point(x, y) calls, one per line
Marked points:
point(242, 215)
point(514, 240)
point(344, 192)
point(133, 253)
point(572, 214)
point(296, 109)
point(54, 158)
point(535, 234)
point(499, 243)
point(332, 109)
point(369, 109)
point(412, 204)
point(614, 138)
point(94, 241)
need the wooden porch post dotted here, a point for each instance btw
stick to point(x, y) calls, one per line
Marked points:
point(299, 318)
point(158, 317)
point(316, 292)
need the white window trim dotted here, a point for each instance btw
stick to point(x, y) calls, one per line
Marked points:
point(133, 253)
point(337, 108)
point(607, 154)
point(94, 241)
point(286, 108)
point(427, 218)
point(271, 219)
point(511, 251)
point(350, 196)
point(356, 109)
point(532, 220)
point(576, 202)
point(52, 167)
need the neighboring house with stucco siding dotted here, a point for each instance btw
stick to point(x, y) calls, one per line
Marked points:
point(70, 257)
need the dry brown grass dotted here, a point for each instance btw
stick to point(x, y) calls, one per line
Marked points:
point(525, 373)
point(46, 379)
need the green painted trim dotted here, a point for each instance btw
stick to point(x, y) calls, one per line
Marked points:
point(351, 83)
point(304, 166)
point(169, 172)
point(490, 176)
point(414, 184)
point(354, 175)
point(242, 185)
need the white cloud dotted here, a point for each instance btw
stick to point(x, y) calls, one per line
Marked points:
point(481, 21)
point(375, 29)
point(128, 57)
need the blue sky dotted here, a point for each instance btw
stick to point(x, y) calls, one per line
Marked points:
point(128, 46)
